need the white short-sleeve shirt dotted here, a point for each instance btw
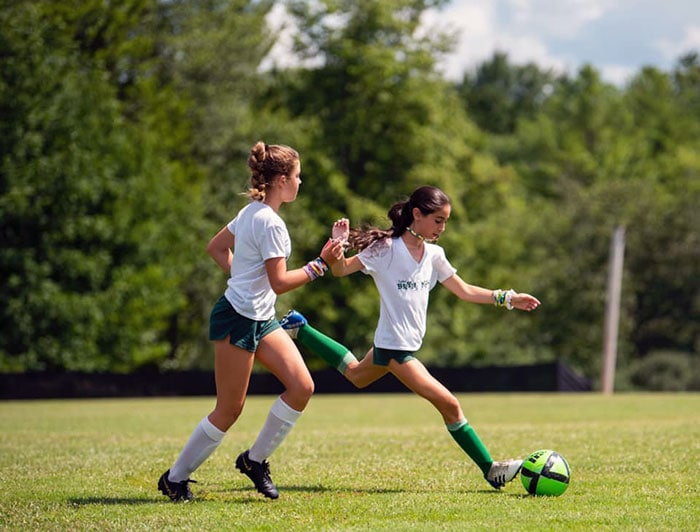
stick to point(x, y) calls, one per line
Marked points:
point(404, 287)
point(260, 235)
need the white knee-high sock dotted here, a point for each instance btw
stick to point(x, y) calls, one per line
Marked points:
point(279, 422)
point(204, 440)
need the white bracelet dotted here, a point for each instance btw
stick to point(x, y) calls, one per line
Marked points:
point(509, 298)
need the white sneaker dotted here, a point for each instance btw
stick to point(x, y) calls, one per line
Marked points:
point(502, 472)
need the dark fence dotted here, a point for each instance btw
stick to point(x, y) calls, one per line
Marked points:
point(553, 377)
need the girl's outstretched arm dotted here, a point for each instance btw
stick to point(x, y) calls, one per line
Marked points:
point(283, 280)
point(477, 294)
point(346, 266)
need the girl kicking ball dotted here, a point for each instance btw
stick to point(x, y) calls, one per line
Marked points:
point(405, 263)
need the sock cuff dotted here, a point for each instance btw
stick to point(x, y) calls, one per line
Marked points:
point(210, 430)
point(452, 427)
point(284, 412)
point(345, 362)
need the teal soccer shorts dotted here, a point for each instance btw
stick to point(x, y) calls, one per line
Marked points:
point(383, 356)
point(243, 332)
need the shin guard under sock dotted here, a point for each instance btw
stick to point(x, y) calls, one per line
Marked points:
point(280, 421)
point(334, 354)
point(467, 438)
point(204, 440)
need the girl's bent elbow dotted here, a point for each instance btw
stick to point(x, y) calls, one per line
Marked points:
point(215, 251)
point(276, 289)
point(210, 249)
point(279, 288)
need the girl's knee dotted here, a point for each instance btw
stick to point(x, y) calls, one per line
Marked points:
point(308, 388)
point(450, 408)
point(223, 417)
point(298, 395)
point(302, 390)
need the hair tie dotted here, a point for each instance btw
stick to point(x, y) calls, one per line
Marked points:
point(266, 148)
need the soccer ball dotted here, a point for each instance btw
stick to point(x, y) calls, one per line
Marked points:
point(545, 472)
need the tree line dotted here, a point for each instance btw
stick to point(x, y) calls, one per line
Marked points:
point(125, 131)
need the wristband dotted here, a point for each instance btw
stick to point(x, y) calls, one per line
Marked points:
point(316, 268)
point(509, 298)
point(310, 271)
point(504, 298)
point(499, 297)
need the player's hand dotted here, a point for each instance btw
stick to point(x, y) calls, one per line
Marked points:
point(341, 230)
point(332, 251)
point(525, 302)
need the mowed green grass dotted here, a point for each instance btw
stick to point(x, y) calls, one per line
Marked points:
point(354, 462)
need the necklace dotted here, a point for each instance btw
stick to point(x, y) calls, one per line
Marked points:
point(420, 237)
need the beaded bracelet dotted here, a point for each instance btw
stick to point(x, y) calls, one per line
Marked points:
point(504, 298)
point(316, 268)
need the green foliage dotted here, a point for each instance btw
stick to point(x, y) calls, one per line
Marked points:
point(125, 131)
point(375, 65)
point(91, 210)
point(664, 371)
point(589, 162)
point(497, 95)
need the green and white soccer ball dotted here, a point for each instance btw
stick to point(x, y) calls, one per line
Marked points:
point(545, 472)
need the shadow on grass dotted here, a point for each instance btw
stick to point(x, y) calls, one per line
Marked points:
point(519, 495)
point(251, 496)
point(248, 495)
point(320, 489)
point(106, 501)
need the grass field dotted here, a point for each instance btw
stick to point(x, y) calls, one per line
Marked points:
point(354, 462)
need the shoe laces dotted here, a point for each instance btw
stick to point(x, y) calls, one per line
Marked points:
point(182, 486)
point(266, 469)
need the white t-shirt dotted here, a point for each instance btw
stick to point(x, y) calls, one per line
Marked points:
point(260, 235)
point(404, 287)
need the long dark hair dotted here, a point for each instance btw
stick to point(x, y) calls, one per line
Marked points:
point(426, 198)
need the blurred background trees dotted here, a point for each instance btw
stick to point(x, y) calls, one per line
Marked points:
point(124, 135)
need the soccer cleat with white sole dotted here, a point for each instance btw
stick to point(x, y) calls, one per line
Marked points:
point(502, 472)
point(292, 322)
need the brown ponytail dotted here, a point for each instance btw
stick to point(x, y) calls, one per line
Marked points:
point(267, 162)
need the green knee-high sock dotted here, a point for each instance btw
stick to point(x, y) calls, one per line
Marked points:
point(469, 441)
point(333, 353)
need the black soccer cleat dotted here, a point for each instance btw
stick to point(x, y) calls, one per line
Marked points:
point(177, 491)
point(258, 473)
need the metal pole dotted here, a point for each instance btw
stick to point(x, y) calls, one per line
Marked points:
point(612, 310)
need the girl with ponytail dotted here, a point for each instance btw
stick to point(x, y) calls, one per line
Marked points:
point(253, 249)
point(406, 263)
